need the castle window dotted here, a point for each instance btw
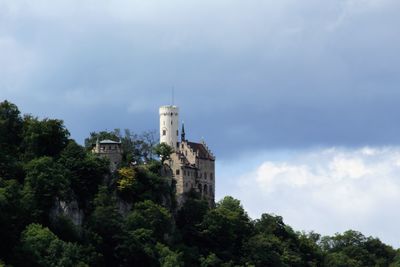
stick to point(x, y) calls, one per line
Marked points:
point(177, 132)
point(205, 175)
point(200, 188)
point(164, 132)
point(177, 172)
point(184, 173)
point(205, 190)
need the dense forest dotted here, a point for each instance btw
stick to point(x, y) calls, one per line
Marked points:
point(61, 206)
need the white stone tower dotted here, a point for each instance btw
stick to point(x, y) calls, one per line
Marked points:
point(169, 125)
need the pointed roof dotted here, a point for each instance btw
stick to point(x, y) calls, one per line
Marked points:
point(183, 135)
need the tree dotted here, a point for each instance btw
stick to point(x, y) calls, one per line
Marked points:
point(190, 216)
point(354, 247)
point(139, 183)
point(10, 138)
point(85, 171)
point(264, 250)
point(167, 257)
point(12, 217)
point(225, 229)
point(44, 183)
point(164, 151)
point(107, 223)
point(151, 216)
point(41, 247)
point(46, 137)
point(10, 126)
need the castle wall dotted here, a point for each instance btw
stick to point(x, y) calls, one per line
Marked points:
point(206, 179)
point(112, 152)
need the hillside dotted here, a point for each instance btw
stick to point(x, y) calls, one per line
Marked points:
point(61, 206)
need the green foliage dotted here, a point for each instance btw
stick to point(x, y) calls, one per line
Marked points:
point(148, 215)
point(46, 137)
point(12, 216)
point(106, 221)
point(210, 261)
point(354, 249)
point(167, 257)
point(189, 218)
point(130, 218)
point(226, 228)
point(138, 183)
point(164, 151)
point(44, 183)
point(85, 171)
point(41, 247)
point(11, 126)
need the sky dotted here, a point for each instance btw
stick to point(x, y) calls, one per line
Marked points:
point(297, 99)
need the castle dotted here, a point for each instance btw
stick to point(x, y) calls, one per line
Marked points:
point(192, 164)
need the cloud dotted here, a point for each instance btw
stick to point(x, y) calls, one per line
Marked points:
point(248, 75)
point(329, 190)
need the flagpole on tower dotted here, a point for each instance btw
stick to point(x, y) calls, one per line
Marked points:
point(173, 95)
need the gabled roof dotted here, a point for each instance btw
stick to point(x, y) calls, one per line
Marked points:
point(201, 150)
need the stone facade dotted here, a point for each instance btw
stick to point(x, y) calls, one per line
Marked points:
point(193, 164)
point(111, 150)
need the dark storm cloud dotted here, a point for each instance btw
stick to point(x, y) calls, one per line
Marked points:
point(248, 75)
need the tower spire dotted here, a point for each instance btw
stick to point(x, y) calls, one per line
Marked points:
point(183, 132)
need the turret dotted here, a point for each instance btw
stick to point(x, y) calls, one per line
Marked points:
point(169, 125)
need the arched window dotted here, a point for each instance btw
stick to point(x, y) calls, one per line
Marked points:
point(205, 190)
point(164, 132)
point(200, 188)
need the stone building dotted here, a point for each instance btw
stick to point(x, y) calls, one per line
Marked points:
point(109, 149)
point(193, 164)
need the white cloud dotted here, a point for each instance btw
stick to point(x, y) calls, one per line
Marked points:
point(329, 190)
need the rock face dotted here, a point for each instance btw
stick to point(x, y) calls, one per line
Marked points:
point(68, 209)
point(124, 207)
